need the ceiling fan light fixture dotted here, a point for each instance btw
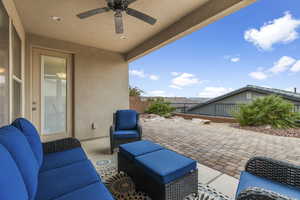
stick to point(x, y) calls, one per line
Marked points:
point(123, 37)
point(56, 18)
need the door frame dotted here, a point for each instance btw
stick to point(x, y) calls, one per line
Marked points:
point(37, 94)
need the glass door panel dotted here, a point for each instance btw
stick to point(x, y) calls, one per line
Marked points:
point(54, 95)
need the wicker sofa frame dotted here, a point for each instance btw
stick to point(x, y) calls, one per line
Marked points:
point(61, 145)
point(274, 170)
point(176, 190)
point(116, 142)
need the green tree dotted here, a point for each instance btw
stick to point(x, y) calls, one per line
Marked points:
point(270, 110)
point(160, 107)
point(135, 91)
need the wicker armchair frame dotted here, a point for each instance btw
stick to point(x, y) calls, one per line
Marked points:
point(274, 170)
point(176, 190)
point(116, 142)
point(61, 145)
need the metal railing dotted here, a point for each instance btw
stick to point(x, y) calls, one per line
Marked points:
point(183, 107)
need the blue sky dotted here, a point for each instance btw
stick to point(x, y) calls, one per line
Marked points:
point(257, 45)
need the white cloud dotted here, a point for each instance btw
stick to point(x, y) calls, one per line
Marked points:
point(258, 75)
point(296, 67)
point(175, 87)
point(154, 77)
point(159, 93)
point(235, 60)
point(175, 73)
point(281, 30)
point(185, 79)
point(211, 92)
point(138, 73)
point(282, 64)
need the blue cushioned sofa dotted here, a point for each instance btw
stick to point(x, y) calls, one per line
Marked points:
point(268, 179)
point(56, 170)
point(125, 128)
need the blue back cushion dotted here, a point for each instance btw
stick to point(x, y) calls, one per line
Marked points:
point(126, 119)
point(11, 181)
point(18, 147)
point(32, 136)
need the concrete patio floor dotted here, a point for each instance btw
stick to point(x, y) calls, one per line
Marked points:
point(98, 150)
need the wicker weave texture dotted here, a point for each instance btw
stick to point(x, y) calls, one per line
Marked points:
point(278, 171)
point(61, 145)
point(176, 190)
point(260, 194)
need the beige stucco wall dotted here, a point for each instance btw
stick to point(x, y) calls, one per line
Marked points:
point(100, 84)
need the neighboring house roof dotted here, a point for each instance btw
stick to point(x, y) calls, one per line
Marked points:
point(179, 100)
point(264, 90)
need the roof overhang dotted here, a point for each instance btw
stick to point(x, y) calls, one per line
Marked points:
point(208, 13)
point(175, 20)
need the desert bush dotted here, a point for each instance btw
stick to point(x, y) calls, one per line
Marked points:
point(160, 107)
point(135, 91)
point(270, 110)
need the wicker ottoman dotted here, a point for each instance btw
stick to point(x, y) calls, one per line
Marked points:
point(161, 173)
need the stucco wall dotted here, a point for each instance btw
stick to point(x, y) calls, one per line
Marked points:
point(100, 84)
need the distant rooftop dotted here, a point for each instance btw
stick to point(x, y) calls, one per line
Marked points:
point(294, 96)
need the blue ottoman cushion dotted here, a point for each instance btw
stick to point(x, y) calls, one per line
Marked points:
point(126, 134)
point(134, 149)
point(166, 166)
point(95, 191)
point(63, 158)
point(126, 119)
point(32, 136)
point(57, 182)
point(248, 180)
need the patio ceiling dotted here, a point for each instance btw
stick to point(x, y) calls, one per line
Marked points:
point(174, 20)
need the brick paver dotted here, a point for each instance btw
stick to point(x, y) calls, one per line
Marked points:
point(220, 146)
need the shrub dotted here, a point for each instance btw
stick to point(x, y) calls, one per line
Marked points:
point(160, 107)
point(135, 91)
point(271, 110)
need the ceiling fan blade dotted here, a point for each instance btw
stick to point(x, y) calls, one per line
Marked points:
point(119, 23)
point(131, 1)
point(93, 12)
point(142, 16)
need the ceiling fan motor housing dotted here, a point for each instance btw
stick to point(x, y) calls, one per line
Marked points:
point(121, 5)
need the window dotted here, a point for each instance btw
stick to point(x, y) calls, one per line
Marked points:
point(249, 96)
point(17, 82)
point(4, 66)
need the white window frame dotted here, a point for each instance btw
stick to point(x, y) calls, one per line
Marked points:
point(12, 77)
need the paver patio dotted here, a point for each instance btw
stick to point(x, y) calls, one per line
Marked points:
point(220, 146)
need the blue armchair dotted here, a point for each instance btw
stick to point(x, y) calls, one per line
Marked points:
point(268, 179)
point(125, 128)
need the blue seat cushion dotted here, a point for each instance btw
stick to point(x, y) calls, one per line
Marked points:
point(91, 192)
point(17, 145)
point(248, 180)
point(134, 149)
point(165, 166)
point(11, 181)
point(126, 119)
point(60, 159)
point(32, 136)
point(60, 181)
point(125, 134)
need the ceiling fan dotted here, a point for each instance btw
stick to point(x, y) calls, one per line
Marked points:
point(119, 7)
